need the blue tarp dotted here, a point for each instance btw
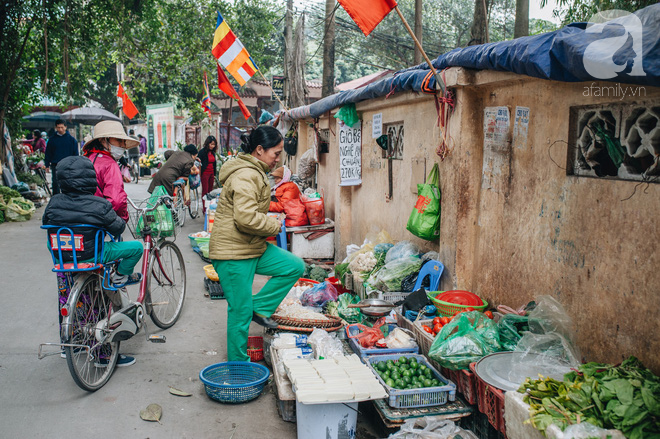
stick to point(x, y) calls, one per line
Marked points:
point(626, 50)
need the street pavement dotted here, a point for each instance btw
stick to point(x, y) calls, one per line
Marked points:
point(38, 398)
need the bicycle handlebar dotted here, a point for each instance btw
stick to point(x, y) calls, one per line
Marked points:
point(165, 199)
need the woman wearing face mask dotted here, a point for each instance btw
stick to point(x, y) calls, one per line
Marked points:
point(106, 147)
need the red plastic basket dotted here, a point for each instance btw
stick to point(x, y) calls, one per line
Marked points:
point(490, 401)
point(257, 353)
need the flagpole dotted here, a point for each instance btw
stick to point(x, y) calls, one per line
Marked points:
point(438, 80)
point(273, 91)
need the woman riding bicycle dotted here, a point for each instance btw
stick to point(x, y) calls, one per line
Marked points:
point(76, 205)
point(106, 147)
point(177, 167)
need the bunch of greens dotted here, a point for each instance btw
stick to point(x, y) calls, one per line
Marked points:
point(8, 193)
point(624, 397)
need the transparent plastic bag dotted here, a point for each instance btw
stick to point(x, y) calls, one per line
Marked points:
point(319, 294)
point(585, 430)
point(466, 339)
point(400, 339)
point(402, 250)
point(325, 345)
point(431, 428)
point(550, 316)
point(392, 274)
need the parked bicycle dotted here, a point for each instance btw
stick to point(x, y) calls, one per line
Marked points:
point(39, 171)
point(96, 316)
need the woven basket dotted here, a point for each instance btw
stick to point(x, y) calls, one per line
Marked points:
point(307, 323)
point(256, 354)
point(303, 329)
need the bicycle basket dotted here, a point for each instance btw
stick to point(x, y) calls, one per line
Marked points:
point(160, 221)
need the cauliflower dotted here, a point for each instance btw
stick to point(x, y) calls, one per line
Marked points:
point(363, 262)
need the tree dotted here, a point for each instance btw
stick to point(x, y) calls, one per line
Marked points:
point(571, 11)
point(521, 28)
point(479, 31)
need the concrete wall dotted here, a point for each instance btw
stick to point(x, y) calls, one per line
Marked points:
point(514, 224)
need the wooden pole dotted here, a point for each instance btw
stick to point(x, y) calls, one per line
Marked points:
point(438, 79)
point(271, 89)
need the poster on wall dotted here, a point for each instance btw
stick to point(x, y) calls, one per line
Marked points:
point(160, 122)
point(350, 154)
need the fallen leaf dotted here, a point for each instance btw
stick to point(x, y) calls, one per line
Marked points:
point(177, 392)
point(152, 413)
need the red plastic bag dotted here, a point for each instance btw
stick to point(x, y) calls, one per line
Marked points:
point(369, 336)
point(315, 210)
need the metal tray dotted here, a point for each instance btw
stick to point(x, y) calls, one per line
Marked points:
point(508, 370)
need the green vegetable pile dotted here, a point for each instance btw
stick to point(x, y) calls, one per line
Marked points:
point(624, 397)
point(8, 193)
point(406, 373)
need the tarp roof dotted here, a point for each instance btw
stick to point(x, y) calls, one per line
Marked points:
point(626, 49)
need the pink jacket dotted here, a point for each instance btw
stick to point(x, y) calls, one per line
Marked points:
point(110, 182)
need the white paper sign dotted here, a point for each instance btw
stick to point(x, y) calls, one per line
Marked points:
point(377, 125)
point(350, 154)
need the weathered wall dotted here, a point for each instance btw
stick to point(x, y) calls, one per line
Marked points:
point(514, 225)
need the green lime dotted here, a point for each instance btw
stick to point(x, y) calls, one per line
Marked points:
point(404, 367)
point(414, 365)
point(412, 360)
point(406, 373)
point(428, 372)
point(382, 365)
point(395, 375)
point(400, 384)
point(386, 374)
point(406, 379)
point(389, 382)
point(389, 364)
point(422, 367)
point(435, 382)
point(402, 360)
point(428, 383)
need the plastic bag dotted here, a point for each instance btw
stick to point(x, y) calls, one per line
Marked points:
point(399, 339)
point(464, 340)
point(585, 430)
point(511, 327)
point(550, 316)
point(289, 340)
point(424, 220)
point(348, 114)
point(325, 345)
point(431, 428)
point(552, 350)
point(315, 209)
point(19, 209)
point(307, 165)
point(368, 337)
point(351, 315)
point(164, 222)
point(391, 275)
point(402, 250)
point(319, 294)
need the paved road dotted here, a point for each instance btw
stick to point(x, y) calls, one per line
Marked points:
point(38, 398)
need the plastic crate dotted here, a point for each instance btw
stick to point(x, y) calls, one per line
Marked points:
point(410, 398)
point(393, 296)
point(353, 330)
point(404, 322)
point(256, 354)
point(424, 339)
point(287, 409)
point(490, 401)
point(214, 289)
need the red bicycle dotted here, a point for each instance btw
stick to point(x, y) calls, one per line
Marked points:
point(96, 316)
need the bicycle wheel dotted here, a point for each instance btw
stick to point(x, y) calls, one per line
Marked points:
point(195, 203)
point(44, 185)
point(89, 307)
point(179, 208)
point(166, 285)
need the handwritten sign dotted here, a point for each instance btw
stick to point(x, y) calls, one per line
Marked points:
point(377, 125)
point(350, 154)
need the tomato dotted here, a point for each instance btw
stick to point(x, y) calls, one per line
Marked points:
point(444, 321)
point(436, 320)
point(489, 314)
point(437, 328)
point(427, 329)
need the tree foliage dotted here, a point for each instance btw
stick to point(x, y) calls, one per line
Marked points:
point(572, 11)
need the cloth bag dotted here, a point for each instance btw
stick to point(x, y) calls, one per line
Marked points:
point(424, 220)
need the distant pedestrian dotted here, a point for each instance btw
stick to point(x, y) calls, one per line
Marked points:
point(60, 145)
point(38, 143)
point(207, 158)
point(143, 144)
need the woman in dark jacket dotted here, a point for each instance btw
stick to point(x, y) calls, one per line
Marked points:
point(207, 157)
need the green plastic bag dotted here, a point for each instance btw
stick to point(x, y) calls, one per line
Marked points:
point(466, 339)
point(424, 220)
point(348, 114)
point(163, 225)
point(511, 327)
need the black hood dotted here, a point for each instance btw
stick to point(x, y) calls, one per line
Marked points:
point(76, 174)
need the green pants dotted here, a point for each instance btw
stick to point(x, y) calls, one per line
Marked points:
point(236, 277)
point(129, 252)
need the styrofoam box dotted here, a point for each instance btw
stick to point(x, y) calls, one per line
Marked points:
point(319, 248)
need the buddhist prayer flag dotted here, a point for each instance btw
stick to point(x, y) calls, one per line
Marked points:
point(231, 54)
point(228, 89)
point(368, 13)
point(127, 105)
point(206, 100)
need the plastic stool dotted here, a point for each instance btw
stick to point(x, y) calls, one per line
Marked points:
point(281, 238)
point(434, 270)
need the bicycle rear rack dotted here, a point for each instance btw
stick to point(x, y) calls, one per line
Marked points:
point(41, 355)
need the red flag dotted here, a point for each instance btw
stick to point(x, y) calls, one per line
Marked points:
point(228, 89)
point(368, 13)
point(127, 105)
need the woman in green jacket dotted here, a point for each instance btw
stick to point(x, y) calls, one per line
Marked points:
point(238, 244)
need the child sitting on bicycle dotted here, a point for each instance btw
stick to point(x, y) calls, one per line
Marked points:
point(77, 204)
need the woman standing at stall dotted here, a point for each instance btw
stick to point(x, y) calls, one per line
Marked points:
point(238, 244)
point(208, 159)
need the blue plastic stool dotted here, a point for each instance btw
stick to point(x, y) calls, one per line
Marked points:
point(434, 270)
point(281, 238)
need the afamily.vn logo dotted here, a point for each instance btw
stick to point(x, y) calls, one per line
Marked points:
point(599, 55)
